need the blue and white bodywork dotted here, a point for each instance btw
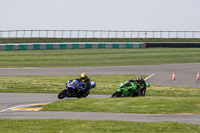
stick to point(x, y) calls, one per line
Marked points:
point(71, 89)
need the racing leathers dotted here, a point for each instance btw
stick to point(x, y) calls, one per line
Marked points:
point(141, 87)
point(86, 86)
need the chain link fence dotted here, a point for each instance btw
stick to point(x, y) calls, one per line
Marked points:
point(96, 34)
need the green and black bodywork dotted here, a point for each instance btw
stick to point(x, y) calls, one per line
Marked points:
point(130, 89)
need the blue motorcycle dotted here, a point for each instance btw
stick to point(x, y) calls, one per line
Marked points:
point(72, 89)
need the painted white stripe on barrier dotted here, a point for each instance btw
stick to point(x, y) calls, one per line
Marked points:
point(43, 46)
point(122, 45)
point(94, 46)
point(136, 46)
point(108, 45)
point(69, 46)
point(16, 47)
point(56, 46)
point(81, 46)
point(2, 47)
point(29, 46)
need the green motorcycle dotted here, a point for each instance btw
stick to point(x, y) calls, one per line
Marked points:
point(130, 89)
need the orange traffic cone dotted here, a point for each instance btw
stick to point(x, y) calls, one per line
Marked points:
point(173, 76)
point(197, 76)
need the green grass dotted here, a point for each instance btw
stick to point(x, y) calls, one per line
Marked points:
point(184, 99)
point(53, 40)
point(181, 100)
point(144, 105)
point(106, 85)
point(85, 126)
point(98, 57)
point(173, 91)
point(54, 84)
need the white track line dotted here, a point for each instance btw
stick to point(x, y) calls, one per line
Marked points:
point(149, 77)
point(21, 106)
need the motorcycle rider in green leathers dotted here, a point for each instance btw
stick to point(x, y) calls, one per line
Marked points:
point(141, 86)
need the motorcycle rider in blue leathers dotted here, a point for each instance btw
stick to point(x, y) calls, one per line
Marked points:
point(85, 80)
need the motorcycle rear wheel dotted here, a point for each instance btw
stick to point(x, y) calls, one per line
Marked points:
point(116, 94)
point(62, 94)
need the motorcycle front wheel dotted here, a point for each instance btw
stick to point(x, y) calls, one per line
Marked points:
point(87, 94)
point(62, 94)
point(116, 94)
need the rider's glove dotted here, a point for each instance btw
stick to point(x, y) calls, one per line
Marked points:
point(80, 88)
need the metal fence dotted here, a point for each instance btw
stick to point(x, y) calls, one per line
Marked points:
point(96, 34)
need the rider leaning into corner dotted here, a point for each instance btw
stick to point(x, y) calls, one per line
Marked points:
point(141, 85)
point(85, 80)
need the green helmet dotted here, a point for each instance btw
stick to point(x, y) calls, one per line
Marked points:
point(139, 78)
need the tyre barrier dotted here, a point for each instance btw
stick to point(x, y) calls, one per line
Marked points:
point(48, 46)
point(173, 44)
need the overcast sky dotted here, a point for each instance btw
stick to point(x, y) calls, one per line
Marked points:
point(100, 15)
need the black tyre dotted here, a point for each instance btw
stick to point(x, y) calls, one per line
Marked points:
point(87, 94)
point(62, 94)
point(116, 94)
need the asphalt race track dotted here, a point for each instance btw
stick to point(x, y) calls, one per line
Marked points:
point(185, 75)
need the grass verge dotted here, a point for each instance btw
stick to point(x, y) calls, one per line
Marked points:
point(144, 105)
point(54, 40)
point(54, 84)
point(98, 57)
point(85, 126)
point(106, 85)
